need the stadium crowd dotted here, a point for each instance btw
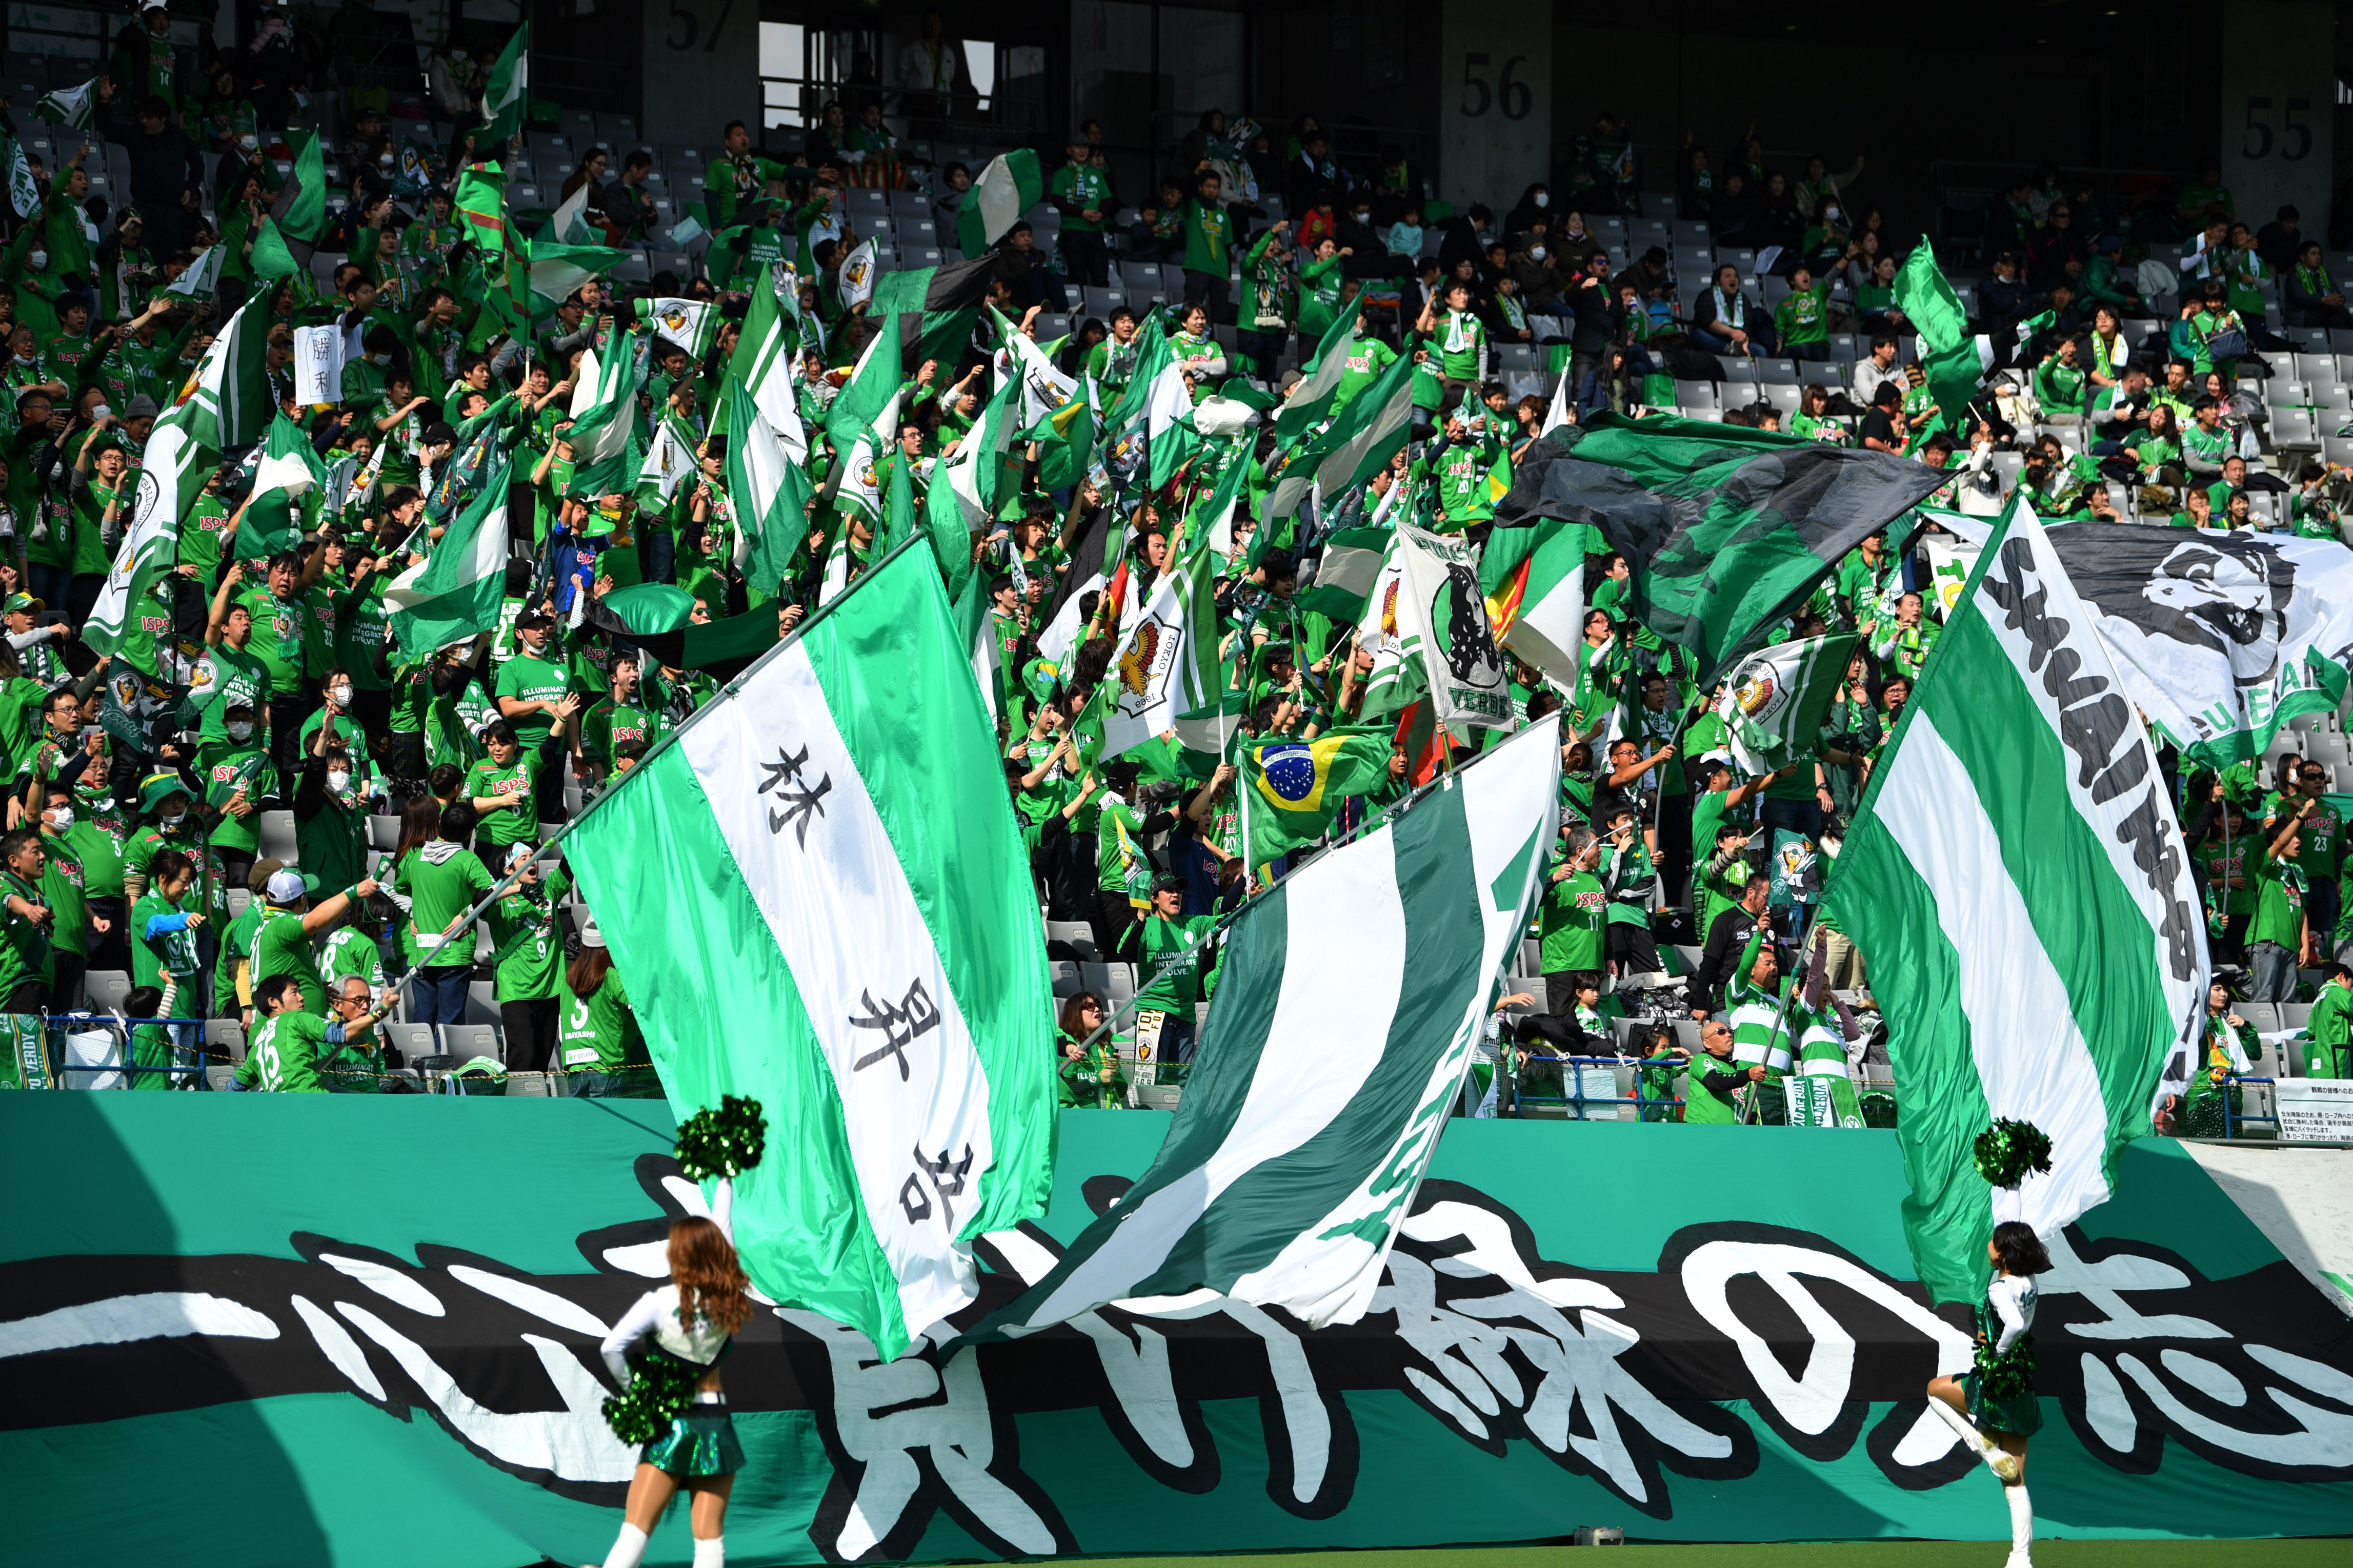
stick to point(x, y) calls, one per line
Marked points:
point(261, 808)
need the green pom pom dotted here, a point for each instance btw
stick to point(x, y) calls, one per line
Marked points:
point(723, 1142)
point(2010, 1375)
point(2007, 1150)
point(661, 1388)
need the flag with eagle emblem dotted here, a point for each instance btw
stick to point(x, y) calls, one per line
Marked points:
point(1168, 663)
point(691, 325)
point(1774, 706)
point(1293, 788)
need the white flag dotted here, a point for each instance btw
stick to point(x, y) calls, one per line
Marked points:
point(318, 364)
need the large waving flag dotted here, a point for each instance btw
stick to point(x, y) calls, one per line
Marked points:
point(228, 401)
point(457, 591)
point(1726, 529)
point(2018, 884)
point(858, 884)
point(1312, 1110)
point(69, 105)
point(171, 475)
point(1954, 361)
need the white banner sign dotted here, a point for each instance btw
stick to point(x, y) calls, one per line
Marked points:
point(2315, 1109)
point(318, 365)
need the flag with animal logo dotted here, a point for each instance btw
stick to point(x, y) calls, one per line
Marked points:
point(1774, 705)
point(1167, 666)
point(1461, 665)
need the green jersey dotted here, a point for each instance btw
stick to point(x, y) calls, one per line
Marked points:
point(24, 954)
point(1571, 923)
point(163, 943)
point(283, 635)
point(486, 780)
point(598, 1032)
point(61, 885)
point(285, 1053)
point(279, 947)
point(1176, 991)
point(2279, 902)
point(1079, 188)
point(1209, 239)
point(248, 771)
point(528, 679)
point(349, 951)
point(529, 954)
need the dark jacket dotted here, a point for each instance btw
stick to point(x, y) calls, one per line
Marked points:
point(162, 165)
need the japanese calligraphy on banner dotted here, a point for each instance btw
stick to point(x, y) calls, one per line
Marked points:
point(1531, 1361)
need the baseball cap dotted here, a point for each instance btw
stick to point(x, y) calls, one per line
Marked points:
point(21, 602)
point(534, 616)
point(438, 434)
point(288, 885)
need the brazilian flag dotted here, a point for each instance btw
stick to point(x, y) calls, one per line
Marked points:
point(1291, 789)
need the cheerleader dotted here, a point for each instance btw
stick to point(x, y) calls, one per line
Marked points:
point(692, 1322)
point(1995, 1426)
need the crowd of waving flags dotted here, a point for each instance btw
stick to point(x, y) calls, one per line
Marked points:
point(862, 880)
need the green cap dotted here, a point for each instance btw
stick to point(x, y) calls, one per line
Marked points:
point(21, 602)
point(157, 788)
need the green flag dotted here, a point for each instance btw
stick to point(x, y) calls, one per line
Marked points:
point(269, 257)
point(172, 474)
point(1298, 1207)
point(1774, 703)
point(506, 91)
point(769, 492)
point(2016, 881)
point(229, 401)
point(1008, 186)
point(763, 360)
point(1726, 529)
point(1949, 353)
point(456, 592)
point(1292, 789)
point(860, 884)
point(301, 206)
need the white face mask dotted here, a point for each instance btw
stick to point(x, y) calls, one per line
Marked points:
point(171, 819)
point(37, 259)
point(99, 411)
point(343, 695)
point(379, 360)
point(1535, 253)
point(237, 731)
point(338, 781)
point(62, 818)
point(1544, 198)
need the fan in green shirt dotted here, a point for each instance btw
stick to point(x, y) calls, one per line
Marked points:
point(504, 785)
point(235, 784)
point(289, 923)
point(2328, 1051)
point(165, 931)
point(597, 1037)
point(27, 963)
point(1208, 233)
point(1573, 915)
point(1171, 973)
point(1804, 317)
point(532, 687)
point(292, 1043)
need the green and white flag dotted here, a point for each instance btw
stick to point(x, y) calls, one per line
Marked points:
point(1345, 576)
point(202, 277)
point(859, 885)
point(69, 105)
point(669, 458)
point(228, 401)
point(568, 225)
point(763, 360)
point(691, 325)
point(1313, 1110)
point(768, 492)
point(604, 406)
point(1774, 705)
point(24, 195)
point(2017, 883)
point(1167, 662)
point(506, 90)
point(1390, 629)
point(1007, 188)
point(558, 269)
point(872, 387)
point(288, 462)
point(171, 475)
point(1311, 400)
point(456, 592)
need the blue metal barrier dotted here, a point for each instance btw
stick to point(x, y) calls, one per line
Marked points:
point(2232, 1116)
point(1574, 1100)
point(55, 1025)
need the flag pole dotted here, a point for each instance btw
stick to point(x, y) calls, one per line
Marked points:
point(498, 889)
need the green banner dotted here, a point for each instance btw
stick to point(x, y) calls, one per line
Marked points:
point(249, 1329)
